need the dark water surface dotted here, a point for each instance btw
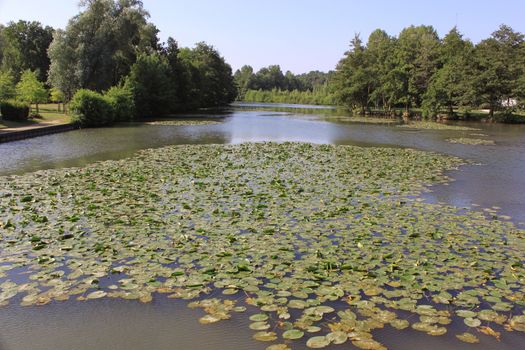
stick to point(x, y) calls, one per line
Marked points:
point(497, 180)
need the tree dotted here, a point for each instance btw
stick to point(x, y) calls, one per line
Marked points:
point(25, 46)
point(7, 86)
point(150, 83)
point(417, 54)
point(2, 43)
point(449, 85)
point(63, 72)
point(100, 45)
point(242, 78)
point(352, 81)
point(387, 87)
point(210, 74)
point(497, 68)
point(29, 89)
point(57, 96)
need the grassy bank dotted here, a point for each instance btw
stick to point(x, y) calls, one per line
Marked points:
point(49, 115)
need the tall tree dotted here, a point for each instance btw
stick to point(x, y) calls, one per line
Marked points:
point(417, 51)
point(387, 87)
point(2, 44)
point(242, 79)
point(211, 75)
point(7, 86)
point(352, 81)
point(151, 86)
point(497, 68)
point(25, 47)
point(100, 45)
point(449, 85)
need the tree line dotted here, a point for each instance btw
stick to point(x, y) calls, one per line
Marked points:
point(419, 70)
point(110, 51)
point(272, 78)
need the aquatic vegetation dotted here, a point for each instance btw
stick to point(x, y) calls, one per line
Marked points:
point(184, 122)
point(428, 125)
point(314, 243)
point(363, 119)
point(471, 141)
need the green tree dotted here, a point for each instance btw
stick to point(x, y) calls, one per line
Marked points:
point(242, 79)
point(417, 53)
point(56, 96)
point(352, 81)
point(387, 87)
point(100, 45)
point(25, 46)
point(449, 85)
point(150, 83)
point(497, 68)
point(2, 43)
point(210, 74)
point(7, 86)
point(29, 89)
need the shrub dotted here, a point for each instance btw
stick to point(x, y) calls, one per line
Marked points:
point(89, 108)
point(14, 110)
point(122, 102)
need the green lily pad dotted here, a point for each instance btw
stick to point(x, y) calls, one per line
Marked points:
point(293, 334)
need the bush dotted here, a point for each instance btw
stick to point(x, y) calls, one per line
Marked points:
point(14, 110)
point(122, 102)
point(89, 108)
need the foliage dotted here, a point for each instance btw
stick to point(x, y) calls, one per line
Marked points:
point(211, 76)
point(89, 108)
point(14, 110)
point(419, 70)
point(150, 83)
point(25, 47)
point(352, 82)
point(7, 86)
point(111, 43)
point(122, 102)
point(498, 65)
point(98, 46)
point(272, 78)
point(320, 96)
point(308, 229)
point(30, 89)
point(56, 95)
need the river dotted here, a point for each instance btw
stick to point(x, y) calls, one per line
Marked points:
point(495, 180)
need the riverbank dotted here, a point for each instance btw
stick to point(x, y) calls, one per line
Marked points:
point(475, 115)
point(49, 121)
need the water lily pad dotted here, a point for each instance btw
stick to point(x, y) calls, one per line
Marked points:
point(468, 338)
point(293, 334)
point(259, 317)
point(317, 342)
point(472, 322)
point(96, 295)
point(265, 336)
point(259, 326)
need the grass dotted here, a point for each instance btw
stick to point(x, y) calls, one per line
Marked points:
point(49, 114)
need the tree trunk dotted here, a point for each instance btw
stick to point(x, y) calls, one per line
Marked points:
point(37, 111)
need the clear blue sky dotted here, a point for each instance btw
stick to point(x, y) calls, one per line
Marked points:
point(299, 35)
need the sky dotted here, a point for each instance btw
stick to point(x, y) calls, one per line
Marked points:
point(299, 35)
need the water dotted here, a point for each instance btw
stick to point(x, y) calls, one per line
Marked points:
point(497, 179)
